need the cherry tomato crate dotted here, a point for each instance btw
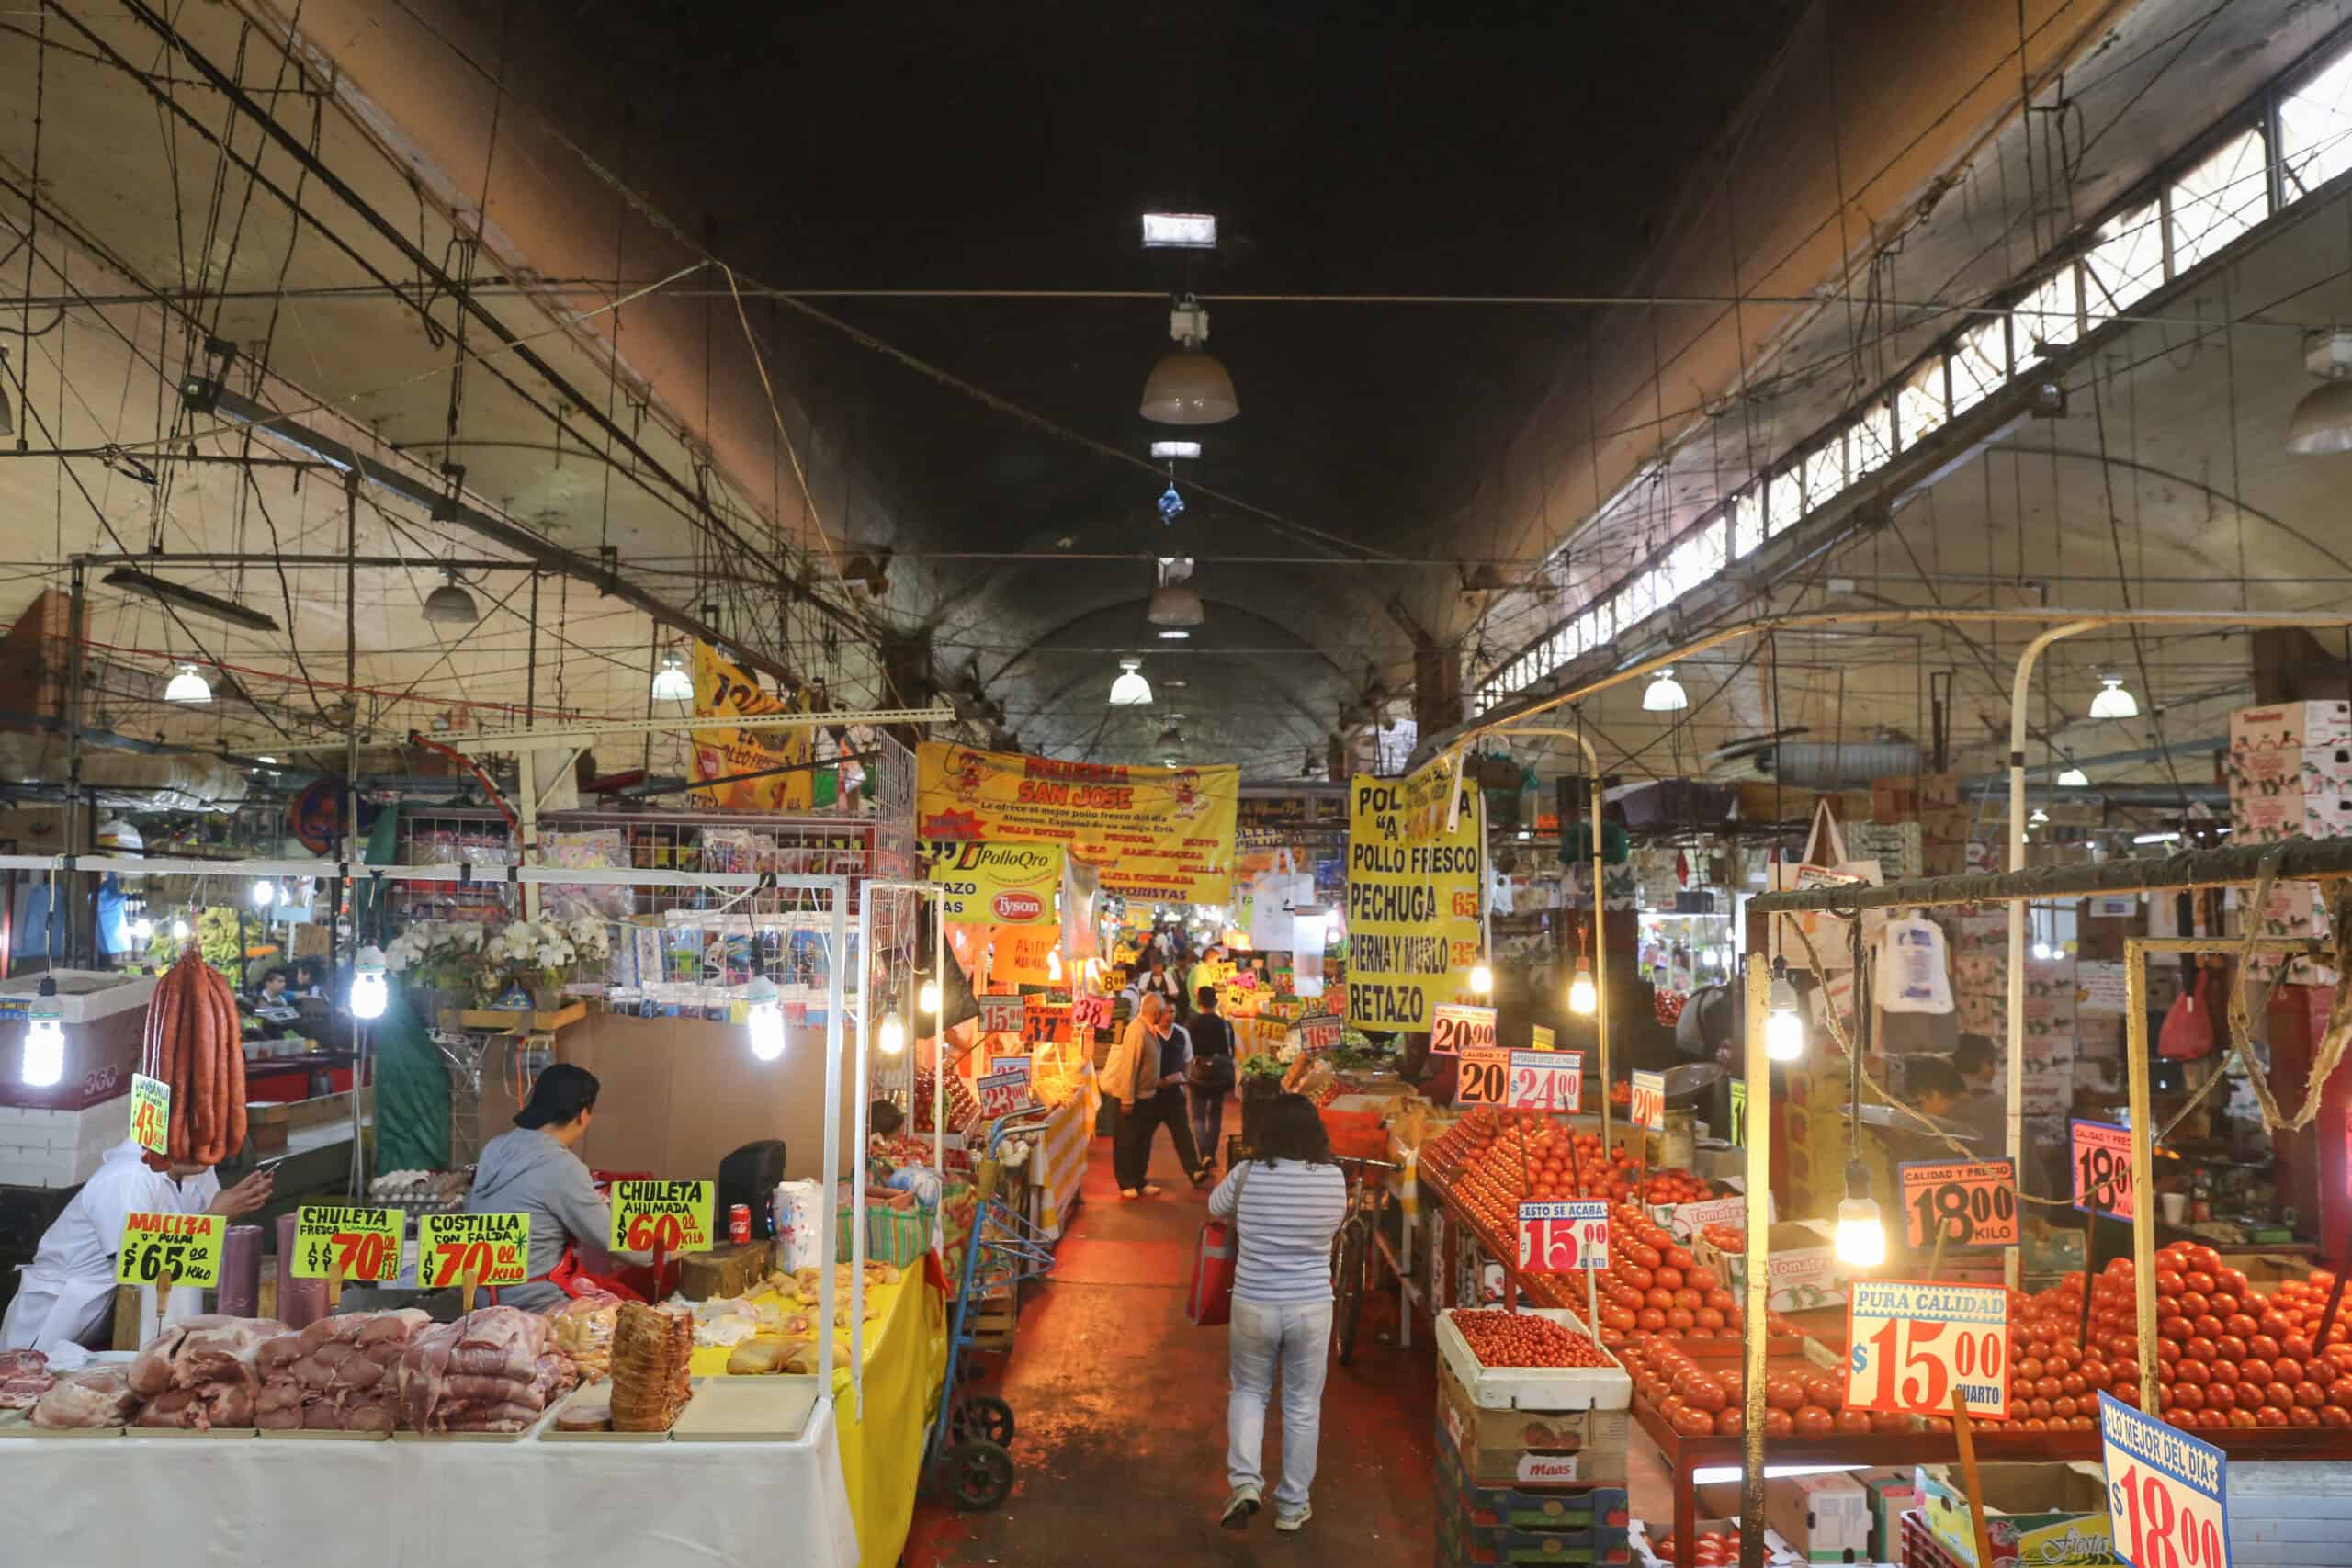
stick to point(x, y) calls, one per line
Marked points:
point(1534, 1388)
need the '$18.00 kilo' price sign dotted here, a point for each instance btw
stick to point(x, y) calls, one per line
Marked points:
point(1912, 1342)
point(2165, 1491)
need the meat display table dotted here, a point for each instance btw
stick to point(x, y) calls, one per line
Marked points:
point(257, 1503)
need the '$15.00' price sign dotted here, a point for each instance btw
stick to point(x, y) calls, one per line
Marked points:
point(2165, 1491)
point(339, 1241)
point(1559, 1238)
point(2103, 1169)
point(482, 1249)
point(666, 1216)
point(186, 1247)
point(1912, 1342)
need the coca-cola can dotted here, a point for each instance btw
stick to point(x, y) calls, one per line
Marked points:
point(738, 1223)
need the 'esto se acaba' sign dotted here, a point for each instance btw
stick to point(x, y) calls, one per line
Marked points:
point(672, 1215)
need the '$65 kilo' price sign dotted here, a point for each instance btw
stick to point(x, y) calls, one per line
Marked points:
point(2166, 1490)
point(347, 1241)
point(186, 1247)
point(1910, 1343)
point(673, 1216)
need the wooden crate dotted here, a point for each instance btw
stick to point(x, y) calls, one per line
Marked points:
point(992, 1320)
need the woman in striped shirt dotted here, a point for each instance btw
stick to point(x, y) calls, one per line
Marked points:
point(1285, 1202)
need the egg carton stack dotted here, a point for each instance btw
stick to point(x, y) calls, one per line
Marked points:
point(2290, 767)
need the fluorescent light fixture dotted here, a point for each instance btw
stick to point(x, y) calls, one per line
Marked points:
point(2114, 701)
point(1180, 231)
point(2075, 778)
point(1130, 690)
point(44, 1060)
point(766, 1019)
point(1664, 694)
point(189, 687)
point(671, 682)
point(2155, 838)
point(369, 993)
point(1175, 448)
point(267, 761)
point(195, 602)
point(1174, 634)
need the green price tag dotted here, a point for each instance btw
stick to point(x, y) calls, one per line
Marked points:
point(186, 1247)
point(151, 1112)
point(489, 1249)
point(1739, 1113)
point(672, 1215)
point(336, 1240)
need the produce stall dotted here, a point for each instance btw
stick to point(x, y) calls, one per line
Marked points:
point(1057, 1155)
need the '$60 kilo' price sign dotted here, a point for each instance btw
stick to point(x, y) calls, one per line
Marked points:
point(2166, 1490)
point(672, 1216)
point(1910, 1343)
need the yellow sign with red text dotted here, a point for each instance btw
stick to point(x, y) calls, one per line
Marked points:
point(725, 690)
point(1157, 835)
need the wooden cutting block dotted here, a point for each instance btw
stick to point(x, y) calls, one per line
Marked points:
point(729, 1270)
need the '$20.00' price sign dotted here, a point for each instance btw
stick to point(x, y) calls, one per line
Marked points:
point(2165, 1489)
point(1457, 1027)
point(186, 1247)
point(1910, 1343)
point(481, 1249)
point(348, 1242)
point(1559, 1238)
point(664, 1216)
point(1648, 1102)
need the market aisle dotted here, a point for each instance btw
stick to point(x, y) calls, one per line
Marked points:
point(1120, 1405)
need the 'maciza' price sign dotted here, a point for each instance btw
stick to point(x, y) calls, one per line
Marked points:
point(668, 1216)
point(2166, 1490)
point(1911, 1342)
point(2102, 1161)
point(1960, 1203)
point(185, 1248)
point(477, 1249)
point(1547, 1080)
point(337, 1241)
point(1649, 1101)
point(1559, 1238)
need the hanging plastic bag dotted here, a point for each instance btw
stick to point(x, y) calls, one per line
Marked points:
point(1825, 864)
point(1913, 976)
point(2188, 1031)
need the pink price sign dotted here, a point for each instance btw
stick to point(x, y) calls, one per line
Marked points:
point(1650, 1100)
point(1002, 1093)
point(2102, 1166)
point(1562, 1238)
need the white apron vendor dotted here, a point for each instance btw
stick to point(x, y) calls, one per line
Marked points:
point(65, 1295)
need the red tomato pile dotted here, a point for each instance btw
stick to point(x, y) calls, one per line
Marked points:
point(1523, 1339)
point(1725, 1238)
point(1704, 1399)
point(2227, 1356)
point(1494, 1160)
point(1675, 1187)
point(1712, 1550)
point(1653, 1286)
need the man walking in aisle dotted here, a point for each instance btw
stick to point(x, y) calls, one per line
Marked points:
point(1146, 1076)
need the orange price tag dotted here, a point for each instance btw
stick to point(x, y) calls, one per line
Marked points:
point(1968, 1202)
point(151, 1112)
point(1482, 1079)
point(1648, 1103)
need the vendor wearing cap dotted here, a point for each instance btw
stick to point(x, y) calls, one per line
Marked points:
point(537, 1171)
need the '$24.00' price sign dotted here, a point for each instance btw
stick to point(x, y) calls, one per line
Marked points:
point(1910, 1343)
point(482, 1249)
point(186, 1247)
point(1559, 1238)
point(2103, 1169)
point(667, 1216)
point(2165, 1491)
point(151, 1112)
point(347, 1242)
point(1960, 1203)
point(1547, 1080)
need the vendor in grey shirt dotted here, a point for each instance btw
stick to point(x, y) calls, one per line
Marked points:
point(534, 1170)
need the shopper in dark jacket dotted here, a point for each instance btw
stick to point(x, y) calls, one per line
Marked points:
point(1209, 1076)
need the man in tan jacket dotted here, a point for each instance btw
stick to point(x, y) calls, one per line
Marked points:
point(1146, 1076)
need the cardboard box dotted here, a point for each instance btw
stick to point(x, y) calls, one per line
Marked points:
point(2038, 1516)
point(1802, 1273)
point(1890, 1494)
point(1503, 1448)
point(1825, 1518)
point(2288, 726)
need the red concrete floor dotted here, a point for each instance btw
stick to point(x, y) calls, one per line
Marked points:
point(1119, 1405)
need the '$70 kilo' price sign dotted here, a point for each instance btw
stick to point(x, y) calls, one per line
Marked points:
point(347, 1242)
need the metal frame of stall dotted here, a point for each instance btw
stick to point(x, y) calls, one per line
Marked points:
point(2294, 861)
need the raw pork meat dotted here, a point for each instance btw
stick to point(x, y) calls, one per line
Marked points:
point(200, 1373)
point(24, 1378)
point(491, 1371)
point(100, 1396)
point(339, 1374)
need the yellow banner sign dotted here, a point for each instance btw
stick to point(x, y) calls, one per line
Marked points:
point(488, 1249)
point(725, 690)
point(1413, 931)
point(672, 1215)
point(1160, 835)
point(347, 1241)
point(1005, 885)
point(186, 1247)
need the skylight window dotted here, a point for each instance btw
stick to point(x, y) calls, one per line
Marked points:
point(1783, 501)
point(1980, 362)
point(1179, 230)
point(1746, 522)
point(2049, 316)
point(2221, 199)
point(1919, 408)
point(1824, 473)
point(2315, 128)
point(1870, 441)
point(2127, 265)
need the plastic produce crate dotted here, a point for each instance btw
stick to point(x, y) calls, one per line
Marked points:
point(1528, 1508)
point(1460, 1541)
point(1534, 1388)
